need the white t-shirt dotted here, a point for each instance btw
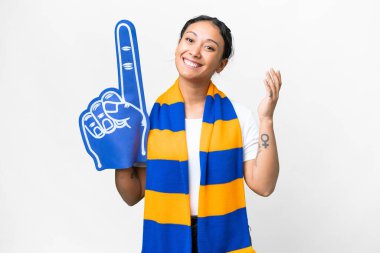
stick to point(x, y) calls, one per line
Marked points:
point(250, 134)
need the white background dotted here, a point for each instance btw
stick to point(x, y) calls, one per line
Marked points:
point(56, 56)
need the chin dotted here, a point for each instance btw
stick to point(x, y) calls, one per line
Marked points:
point(190, 75)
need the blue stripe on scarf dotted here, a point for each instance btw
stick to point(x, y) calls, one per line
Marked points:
point(161, 117)
point(221, 173)
point(215, 111)
point(223, 161)
point(168, 172)
point(230, 230)
point(169, 241)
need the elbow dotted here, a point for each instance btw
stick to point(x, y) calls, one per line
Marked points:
point(130, 202)
point(134, 200)
point(264, 192)
point(125, 197)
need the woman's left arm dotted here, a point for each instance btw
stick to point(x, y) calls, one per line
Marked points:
point(261, 173)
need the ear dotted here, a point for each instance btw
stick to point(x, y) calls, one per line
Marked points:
point(223, 64)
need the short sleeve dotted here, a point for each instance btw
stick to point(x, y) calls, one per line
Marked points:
point(249, 128)
point(250, 138)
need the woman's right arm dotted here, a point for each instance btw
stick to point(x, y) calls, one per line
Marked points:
point(130, 183)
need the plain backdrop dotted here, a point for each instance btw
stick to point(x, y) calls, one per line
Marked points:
point(56, 56)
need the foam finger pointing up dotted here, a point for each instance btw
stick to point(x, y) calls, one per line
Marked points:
point(128, 62)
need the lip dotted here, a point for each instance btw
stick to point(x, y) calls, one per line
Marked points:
point(194, 62)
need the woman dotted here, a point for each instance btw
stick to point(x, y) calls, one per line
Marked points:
point(181, 214)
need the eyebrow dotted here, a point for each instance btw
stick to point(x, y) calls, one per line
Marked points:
point(207, 39)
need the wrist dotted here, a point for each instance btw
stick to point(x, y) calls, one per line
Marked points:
point(266, 121)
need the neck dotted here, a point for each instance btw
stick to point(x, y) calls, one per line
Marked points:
point(193, 92)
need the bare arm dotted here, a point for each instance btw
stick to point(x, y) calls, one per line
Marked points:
point(261, 174)
point(130, 183)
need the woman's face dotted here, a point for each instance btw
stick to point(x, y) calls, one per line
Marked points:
point(199, 52)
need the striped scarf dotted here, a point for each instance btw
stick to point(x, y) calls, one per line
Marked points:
point(222, 216)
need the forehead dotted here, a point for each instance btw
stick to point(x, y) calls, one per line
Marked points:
point(205, 30)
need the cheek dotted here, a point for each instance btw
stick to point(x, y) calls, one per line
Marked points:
point(182, 47)
point(178, 51)
point(214, 62)
point(177, 55)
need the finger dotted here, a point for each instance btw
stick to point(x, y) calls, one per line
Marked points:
point(130, 81)
point(279, 77)
point(103, 120)
point(268, 88)
point(111, 101)
point(271, 84)
point(274, 77)
point(275, 80)
point(115, 108)
point(91, 126)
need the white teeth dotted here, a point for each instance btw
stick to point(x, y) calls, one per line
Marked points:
point(190, 63)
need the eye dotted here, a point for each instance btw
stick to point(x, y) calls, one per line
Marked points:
point(209, 48)
point(189, 39)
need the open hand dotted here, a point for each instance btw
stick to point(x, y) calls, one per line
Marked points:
point(272, 84)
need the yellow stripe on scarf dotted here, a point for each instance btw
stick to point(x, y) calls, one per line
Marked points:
point(225, 135)
point(161, 204)
point(245, 250)
point(169, 145)
point(219, 194)
point(172, 96)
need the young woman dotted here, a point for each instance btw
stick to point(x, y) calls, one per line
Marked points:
point(200, 147)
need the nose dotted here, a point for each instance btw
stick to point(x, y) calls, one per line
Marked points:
point(195, 51)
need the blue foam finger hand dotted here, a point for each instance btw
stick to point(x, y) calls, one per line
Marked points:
point(115, 125)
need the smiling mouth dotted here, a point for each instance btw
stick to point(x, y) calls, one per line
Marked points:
point(191, 64)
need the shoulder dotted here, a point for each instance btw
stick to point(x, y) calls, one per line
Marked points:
point(242, 111)
point(247, 118)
